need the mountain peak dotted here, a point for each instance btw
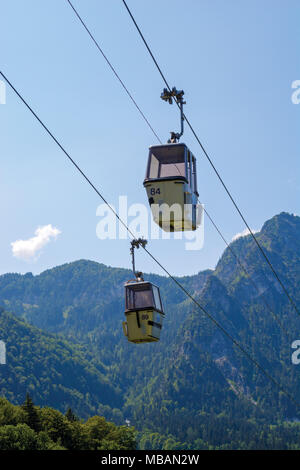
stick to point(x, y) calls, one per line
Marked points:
point(279, 221)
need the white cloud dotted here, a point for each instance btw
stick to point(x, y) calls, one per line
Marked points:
point(244, 233)
point(29, 249)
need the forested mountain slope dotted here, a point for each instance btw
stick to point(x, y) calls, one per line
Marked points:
point(56, 372)
point(194, 385)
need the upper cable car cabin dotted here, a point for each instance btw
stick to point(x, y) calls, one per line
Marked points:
point(143, 311)
point(171, 185)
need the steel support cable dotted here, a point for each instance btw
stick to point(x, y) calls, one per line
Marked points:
point(113, 69)
point(129, 94)
point(225, 332)
point(217, 324)
point(275, 316)
point(213, 166)
point(66, 153)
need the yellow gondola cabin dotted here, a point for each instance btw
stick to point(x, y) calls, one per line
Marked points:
point(171, 186)
point(143, 311)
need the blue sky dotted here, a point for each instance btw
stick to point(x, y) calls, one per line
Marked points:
point(236, 61)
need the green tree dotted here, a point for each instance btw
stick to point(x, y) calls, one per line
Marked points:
point(32, 417)
point(70, 415)
point(10, 414)
point(19, 437)
point(57, 426)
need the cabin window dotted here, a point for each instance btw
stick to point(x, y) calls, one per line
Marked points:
point(140, 298)
point(171, 168)
point(189, 170)
point(167, 161)
point(194, 176)
point(156, 298)
point(154, 167)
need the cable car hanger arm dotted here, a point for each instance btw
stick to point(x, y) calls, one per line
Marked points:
point(178, 96)
point(136, 243)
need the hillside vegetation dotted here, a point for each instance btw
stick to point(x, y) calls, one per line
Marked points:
point(193, 389)
point(29, 427)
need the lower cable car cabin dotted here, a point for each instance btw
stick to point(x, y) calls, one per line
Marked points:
point(143, 311)
point(171, 186)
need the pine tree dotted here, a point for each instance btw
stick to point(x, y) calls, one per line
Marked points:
point(70, 415)
point(32, 414)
